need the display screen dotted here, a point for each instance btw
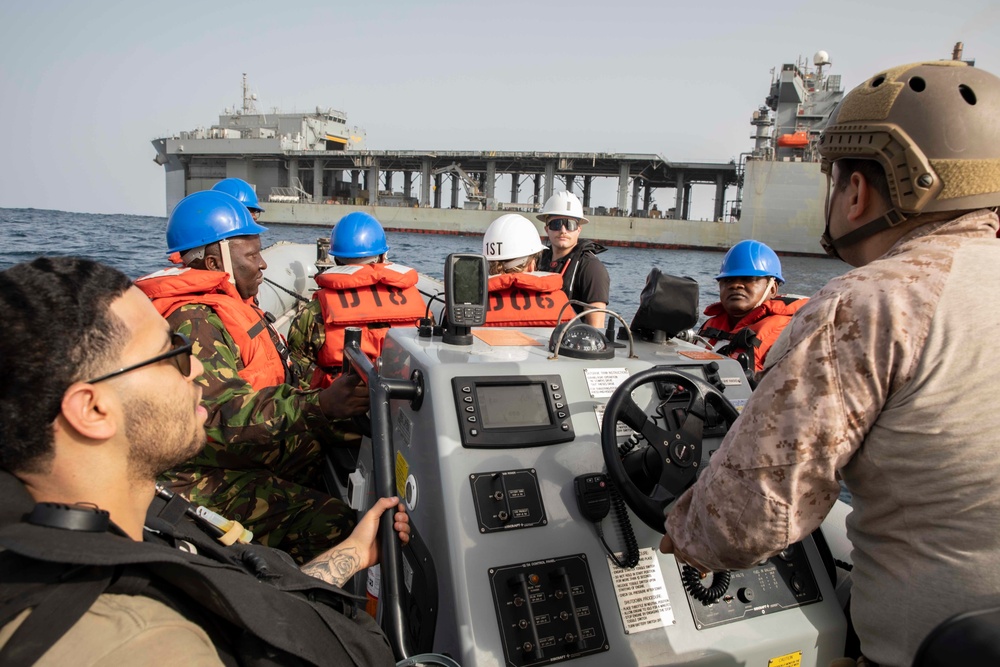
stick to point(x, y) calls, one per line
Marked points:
point(507, 406)
point(468, 284)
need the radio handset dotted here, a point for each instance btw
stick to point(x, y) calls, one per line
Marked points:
point(596, 495)
point(465, 296)
point(593, 496)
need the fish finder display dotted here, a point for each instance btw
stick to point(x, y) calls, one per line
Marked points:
point(468, 284)
point(512, 406)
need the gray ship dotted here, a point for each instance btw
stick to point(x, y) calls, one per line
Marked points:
point(313, 168)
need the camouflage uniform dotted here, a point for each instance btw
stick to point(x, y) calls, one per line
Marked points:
point(262, 463)
point(880, 377)
point(306, 337)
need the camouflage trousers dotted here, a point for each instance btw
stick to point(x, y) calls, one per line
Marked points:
point(284, 508)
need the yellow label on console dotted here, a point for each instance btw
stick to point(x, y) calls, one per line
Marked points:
point(790, 660)
point(402, 472)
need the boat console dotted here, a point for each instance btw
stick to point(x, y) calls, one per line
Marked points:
point(536, 465)
point(536, 484)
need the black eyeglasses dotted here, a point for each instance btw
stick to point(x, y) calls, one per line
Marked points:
point(179, 355)
point(570, 224)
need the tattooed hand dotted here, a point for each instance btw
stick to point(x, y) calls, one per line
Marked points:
point(360, 549)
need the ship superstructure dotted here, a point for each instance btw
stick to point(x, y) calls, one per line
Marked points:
point(797, 108)
point(298, 161)
point(781, 192)
point(253, 146)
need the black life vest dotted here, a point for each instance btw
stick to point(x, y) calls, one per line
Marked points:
point(253, 601)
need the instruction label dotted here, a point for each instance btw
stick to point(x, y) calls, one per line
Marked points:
point(621, 429)
point(642, 597)
point(602, 382)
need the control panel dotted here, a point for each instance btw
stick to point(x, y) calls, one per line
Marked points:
point(512, 411)
point(547, 611)
point(507, 500)
point(782, 582)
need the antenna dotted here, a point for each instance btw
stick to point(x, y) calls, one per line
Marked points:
point(248, 98)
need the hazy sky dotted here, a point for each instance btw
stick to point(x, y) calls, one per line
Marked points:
point(85, 86)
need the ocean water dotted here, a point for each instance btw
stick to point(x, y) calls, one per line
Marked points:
point(136, 245)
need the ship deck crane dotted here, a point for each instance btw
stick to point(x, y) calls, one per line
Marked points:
point(472, 191)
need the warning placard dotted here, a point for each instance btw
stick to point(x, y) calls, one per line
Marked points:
point(788, 660)
point(621, 429)
point(602, 382)
point(402, 472)
point(642, 596)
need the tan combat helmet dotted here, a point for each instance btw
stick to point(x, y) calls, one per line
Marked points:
point(935, 129)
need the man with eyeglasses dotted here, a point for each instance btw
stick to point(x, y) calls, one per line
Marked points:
point(96, 565)
point(263, 462)
point(585, 278)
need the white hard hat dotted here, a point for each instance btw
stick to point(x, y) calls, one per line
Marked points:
point(563, 204)
point(511, 236)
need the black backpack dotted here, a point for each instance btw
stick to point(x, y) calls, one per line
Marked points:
point(254, 602)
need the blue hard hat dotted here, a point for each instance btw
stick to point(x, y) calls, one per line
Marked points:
point(206, 217)
point(750, 259)
point(240, 189)
point(358, 235)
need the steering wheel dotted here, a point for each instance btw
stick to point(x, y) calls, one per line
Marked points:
point(652, 475)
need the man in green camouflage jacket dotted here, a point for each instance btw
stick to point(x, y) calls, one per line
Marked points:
point(265, 434)
point(364, 290)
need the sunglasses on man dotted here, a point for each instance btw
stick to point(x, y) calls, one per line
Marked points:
point(557, 224)
point(179, 355)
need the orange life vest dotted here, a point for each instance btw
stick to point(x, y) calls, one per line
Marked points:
point(373, 297)
point(526, 299)
point(169, 289)
point(756, 331)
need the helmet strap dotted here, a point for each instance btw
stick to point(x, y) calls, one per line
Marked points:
point(766, 296)
point(227, 259)
point(832, 246)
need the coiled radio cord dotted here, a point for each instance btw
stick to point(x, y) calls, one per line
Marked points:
point(628, 535)
point(696, 588)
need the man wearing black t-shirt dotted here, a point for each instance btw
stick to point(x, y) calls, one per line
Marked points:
point(585, 277)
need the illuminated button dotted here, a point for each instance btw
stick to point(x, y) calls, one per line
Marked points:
point(467, 399)
point(559, 406)
point(533, 579)
point(472, 419)
point(470, 408)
